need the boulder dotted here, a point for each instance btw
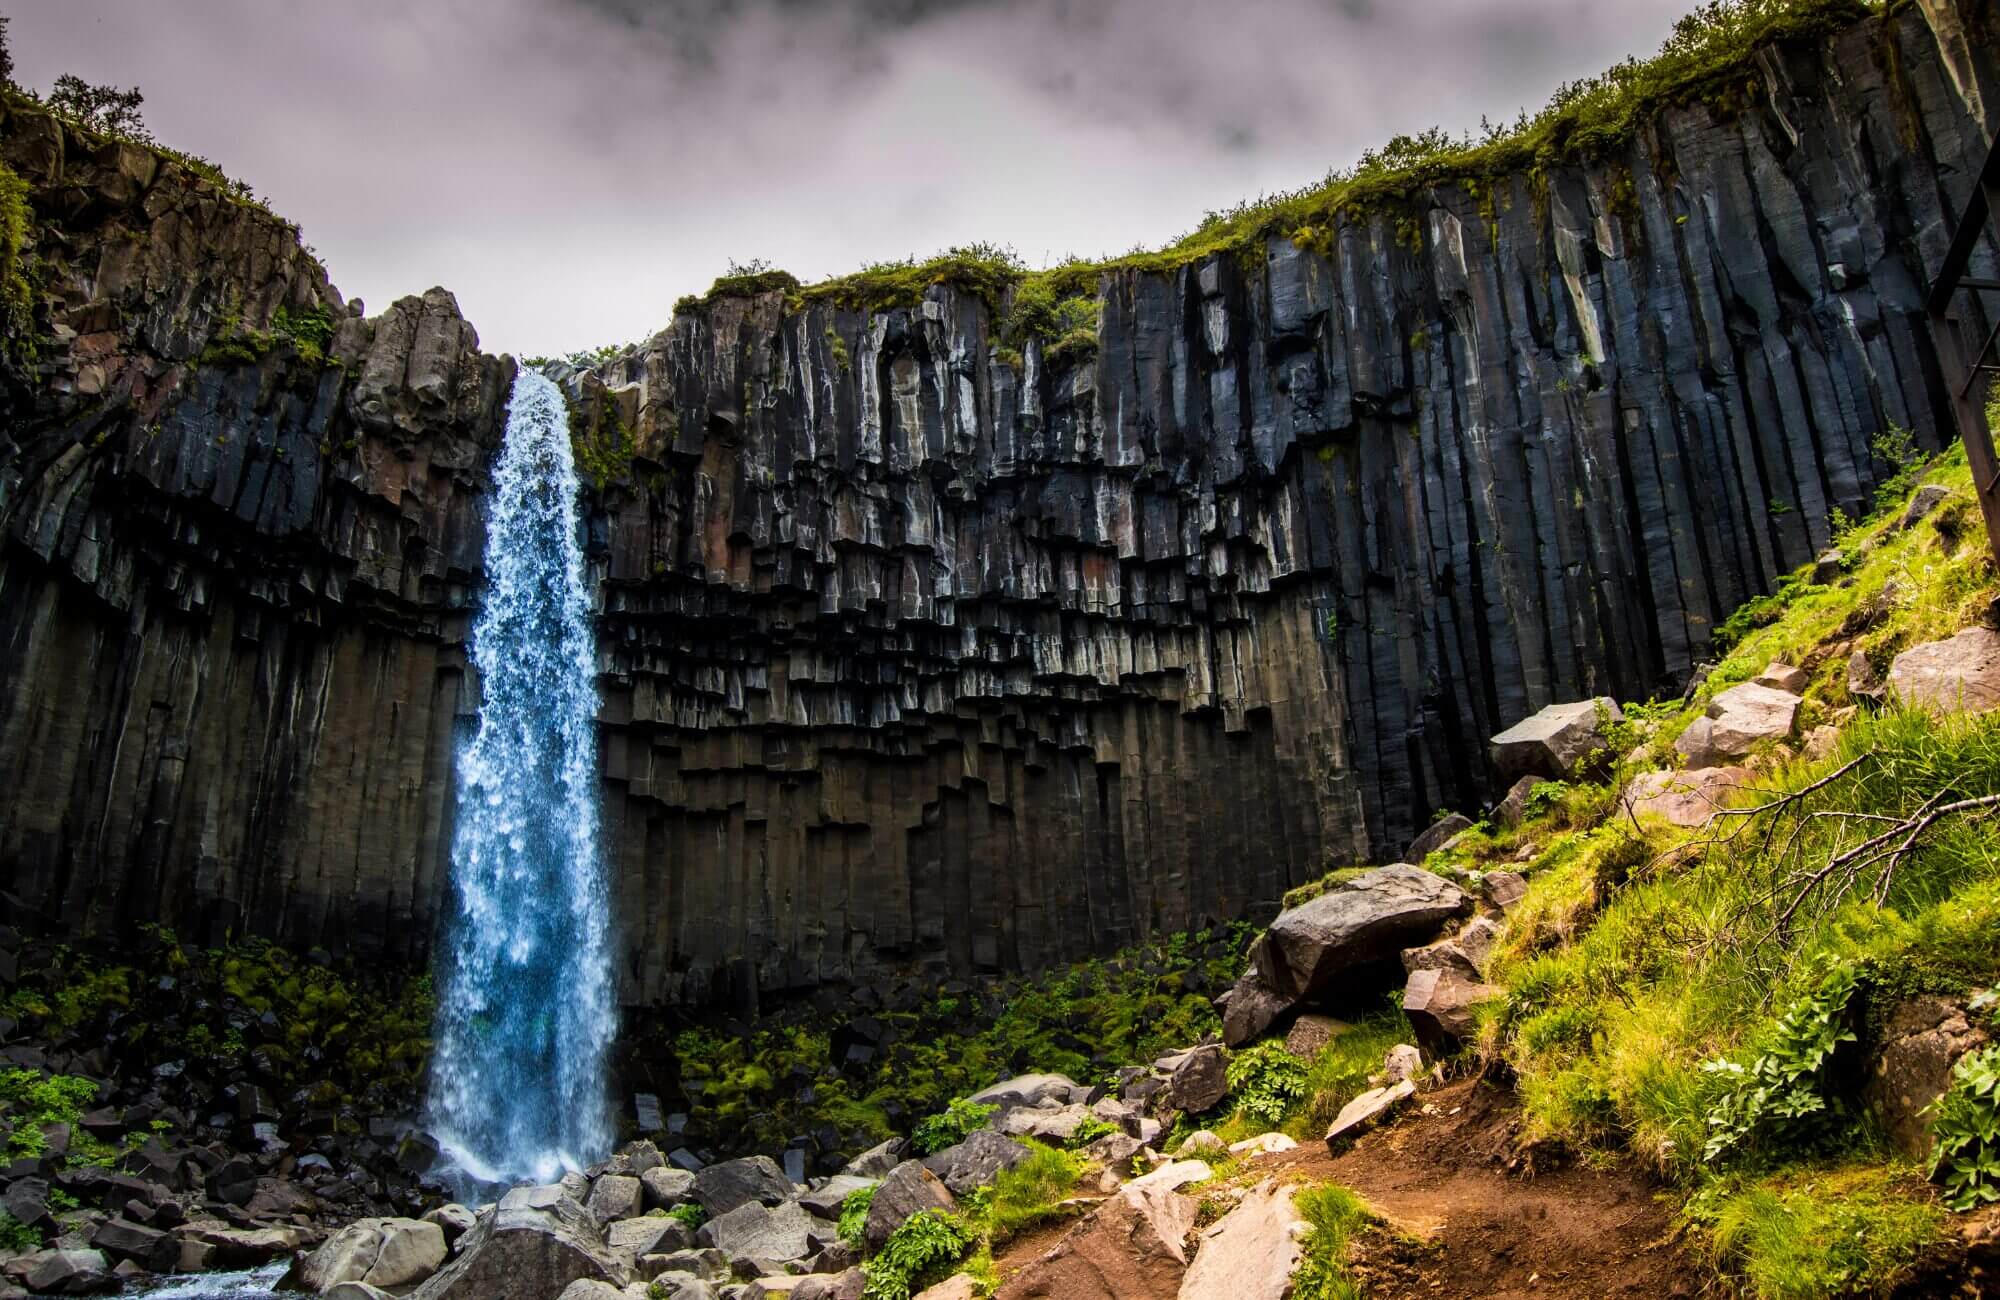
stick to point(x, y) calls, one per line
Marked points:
point(1781, 676)
point(1402, 1063)
point(722, 1187)
point(825, 1200)
point(1264, 1144)
point(876, 1161)
point(1512, 809)
point(1131, 1245)
point(1118, 1153)
point(1738, 720)
point(150, 1248)
point(973, 1162)
point(1828, 568)
point(777, 1234)
point(1251, 1252)
point(1310, 1034)
point(1030, 1090)
point(229, 1247)
point(613, 1197)
point(654, 1234)
point(1921, 1042)
point(530, 1246)
point(1957, 675)
point(1437, 835)
point(1444, 954)
point(1056, 1124)
point(664, 1188)
point(63, 1272)
point(591, 1289)
point(1560, 742)
point(1198, 1081)
point(1365, 1111)
point(1359, 923)
point(1505, 889)
point(1249, 1008)
point(847, 1285)
point(1174, 1175)
point(1922, 502)
point(454, 1220)
point(1863, 682)
point(27, 1201)
point(1687, 798)
point(355, 1291)
point(1201, 1142)
point(909, 1189)
point(1439, 1007)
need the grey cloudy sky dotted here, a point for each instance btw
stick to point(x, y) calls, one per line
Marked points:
point(570, 167)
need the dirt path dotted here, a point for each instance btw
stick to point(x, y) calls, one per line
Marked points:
point(1441, 1173)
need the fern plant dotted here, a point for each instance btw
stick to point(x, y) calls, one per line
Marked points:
point(1965, 1131)
point(917, 1254)
point(959, 1121)
point(854, 1215)
point(1779, 1096)
point(1268, 1082)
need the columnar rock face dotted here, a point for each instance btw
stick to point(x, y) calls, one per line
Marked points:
point(916, 652)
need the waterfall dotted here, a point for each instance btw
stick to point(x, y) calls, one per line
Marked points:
point(525, 1014)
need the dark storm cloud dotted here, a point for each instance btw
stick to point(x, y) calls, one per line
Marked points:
point(569, 167)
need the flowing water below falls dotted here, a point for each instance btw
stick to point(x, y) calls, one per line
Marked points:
point(525, 1015)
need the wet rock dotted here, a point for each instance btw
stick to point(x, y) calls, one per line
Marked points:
point(1439, 1006)
point(1198, 1080)
point(722, 1187)
point(1364, 921)
point(777, 1234)
point(535, 1242)
point(1251, 1252)
point(356, 1291)
point(1959, 675)
point(1365, 1111)
point(229, 1247)
point(909, 1189)
point(1131, 1245)
point(1688, 798)
point(1560, 742)
point(1436, 836)
point(974, 1162)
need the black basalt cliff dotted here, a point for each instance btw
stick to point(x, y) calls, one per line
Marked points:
point(916, 652)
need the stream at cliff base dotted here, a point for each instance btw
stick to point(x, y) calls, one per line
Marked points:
point(525, 1013)
point(254, 1284)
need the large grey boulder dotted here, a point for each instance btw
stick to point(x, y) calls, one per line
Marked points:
point(530, 1246)
point(1688, 798)
point(383, 1253)
point(1030, 1090)
point(1249, 1008)
point(665, 1188)
point(614, 1197)
point(1437, 835)
point(1133, 1244)
point(63, 1272)
point(825, 1200)
point(1557, 743)
point(1957, 675)
point(876, 1161)
point(1369, 919)
point(776, 1235)
point(1366, 1110)
point(1197, 1080)
point(1251, 1252)
point(648, 1235)
point(909, 1189)
point(1738, 721)
point(1047, 1123)
point(454, 1220)
point(975, 1161)
point(1439, 1006)
point(722, 1187)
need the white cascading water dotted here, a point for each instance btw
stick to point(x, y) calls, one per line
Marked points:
point(525, 1016)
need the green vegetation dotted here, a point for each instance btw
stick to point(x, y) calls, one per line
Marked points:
point(1088, 1132)
point(1032, 1192)
point(602, 442)
point(32, 1100)
point(1965, 1132)
point(1849, 1230)
point(918, 1254)
point(1267, 1082)
point(692, 1215)
point(308, 331)
point(17, 1236)
point(1334, 1215)
point(854, 1214)
point(1780, 1101)
point(957, 1122)
point(17, 286)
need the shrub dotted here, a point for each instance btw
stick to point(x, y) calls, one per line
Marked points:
point(959, 1121)
point(1089, 1131)
point(1333, 1214)
point(1780, 1097)
point(1267, 1082)
point(854, 1215)
point(17, 1236)
point(1840, 1232)
point(693, 1215)
point(1965, 1131)
point(917, 1254)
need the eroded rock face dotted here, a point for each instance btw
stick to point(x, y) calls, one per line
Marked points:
point(910, 655)
point(1958, 675)
point(1557, 743)
point(532, 1245)
point(1921, 1042)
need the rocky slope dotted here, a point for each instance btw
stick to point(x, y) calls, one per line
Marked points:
point(913, 656)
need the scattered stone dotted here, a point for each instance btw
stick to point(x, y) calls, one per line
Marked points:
point(1058, 1124)
point(1439, 1007)
point(908, 1189)
point(957, 1287)
point(1512, 809)
point(722, 1187)
point(1439, 834)
point(778, 1235)
point(824, 1201)
point(1310, 1034)
point(1201, 1142)
point(1820, 743)
point(1199, 1080)
point(649, 1235)
point(1781, 676)
point(1402, 1063)
point(1174, 1175)
point(1738, 720)
point(454, 1220)
point(1119, 1153)
point(63, 1272)
point(1264, 1144)
point(1364, 921)
point(1367, 1110)
point(535, 1242)
point(1030, 1090)
point(1958, 675)
point(1922, 502)
point(847, 1285)
point(876, 1161)
point(973, 1162)
point(1921, 1042)
point(614, 1197)
point(1505, 889)
point(1251, 1252)
point(383, 1253)
point(1445, 954)
point(1249, 1008)
point(1687, 798)
point(1561, 741)
point(1131, 1245)
point(592, 1289)
point(243, 1247)
point(1829, 568)
point(1863, 682)
point(665, 1188)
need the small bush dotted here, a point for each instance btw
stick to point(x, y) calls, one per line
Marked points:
point(1333, 1214)
point(1088, 1132)
point(17, 1236)
point(1965, 1132)
point(918, 1254)
point(1780, 1098)
point(693, 1215)
point(854, 1215)
point(1267, 1082)
point(959, 1121)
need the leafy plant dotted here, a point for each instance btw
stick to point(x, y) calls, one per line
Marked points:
point(101, 108)
point(1965, 1131)
point(17, 1236)
point(917, 1254)
point(1089, 1131)
point(1267, 1082)
point(1779, 1097)
point(693, 1215)
point(959, 1121)
point(1897, 449)
point(1544, 797)
point(36, 1100)
point(854, 1214)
